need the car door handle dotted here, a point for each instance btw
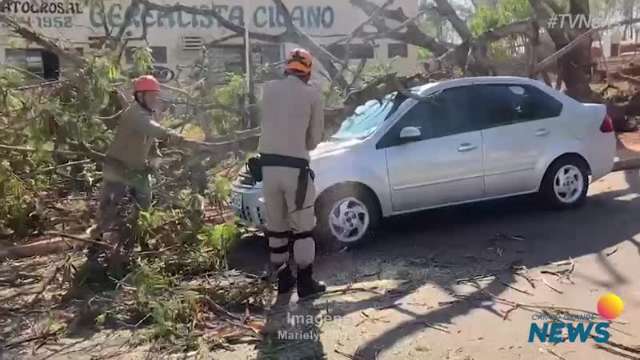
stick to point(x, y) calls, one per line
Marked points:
point(466, 147)
point(542, 132)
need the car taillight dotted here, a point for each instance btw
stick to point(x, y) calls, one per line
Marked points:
point(607, 124)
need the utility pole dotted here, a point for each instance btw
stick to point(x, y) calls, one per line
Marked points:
point(250, 98)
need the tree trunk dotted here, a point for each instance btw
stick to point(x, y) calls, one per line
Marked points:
point(576, 65)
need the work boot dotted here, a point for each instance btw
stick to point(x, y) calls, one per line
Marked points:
point(286, 281)
point(307, 286)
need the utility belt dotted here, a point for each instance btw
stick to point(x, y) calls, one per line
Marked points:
point(256, 164)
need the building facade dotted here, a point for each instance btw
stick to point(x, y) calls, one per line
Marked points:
point(177, 39)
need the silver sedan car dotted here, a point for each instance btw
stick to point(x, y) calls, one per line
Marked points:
point(448, 143)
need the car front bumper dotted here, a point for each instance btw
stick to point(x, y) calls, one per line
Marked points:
point(248, 205)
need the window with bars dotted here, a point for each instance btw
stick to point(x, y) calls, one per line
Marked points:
point(397, 50)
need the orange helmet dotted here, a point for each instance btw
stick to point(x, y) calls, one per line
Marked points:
point(146, 83)
point(299, 61)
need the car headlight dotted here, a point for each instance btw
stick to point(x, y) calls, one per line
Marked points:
point(261, 199)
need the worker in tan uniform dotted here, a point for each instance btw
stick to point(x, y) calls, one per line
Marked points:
point(126, 170)
point(292, 125)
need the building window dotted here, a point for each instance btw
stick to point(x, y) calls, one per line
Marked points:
point(159, 54)
point(263, 56)
point(399, 50)
point(356, 51)
point(228, 58)
point(41, 63)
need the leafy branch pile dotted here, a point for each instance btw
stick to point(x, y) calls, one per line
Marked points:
point(52, 139)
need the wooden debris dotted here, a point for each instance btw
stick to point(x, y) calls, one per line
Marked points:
point(437, 327)
point(369, 318)
point(542, 308)
point(390, 306)
point(561, 263)
point(555, 354)
point(616, 352)
point(615, 250)
point(27, 339)
point(475, 278)
point(563, 274)
point(359, 277)
point(447, 303)
point(349, 288)
point(526, 277)
point(515, 288)
point(634, 350)
point(551, 287)
point(355, 356)
point(508, 312)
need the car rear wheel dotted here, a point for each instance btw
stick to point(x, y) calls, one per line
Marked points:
point(346, 216)
point(566, 183)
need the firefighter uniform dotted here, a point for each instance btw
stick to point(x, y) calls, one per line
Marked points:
point(126, 169)
point(292, 125)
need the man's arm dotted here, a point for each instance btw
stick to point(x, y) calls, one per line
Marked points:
point(316, 125)
point(146, 125)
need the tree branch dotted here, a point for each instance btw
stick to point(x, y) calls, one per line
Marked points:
point(543, 13)
point(413, 35)
point(549, 61)
point(446, 10)
point(528, 28)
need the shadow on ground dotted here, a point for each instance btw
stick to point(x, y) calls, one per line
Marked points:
point(460, 239)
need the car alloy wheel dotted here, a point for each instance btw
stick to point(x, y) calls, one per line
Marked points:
point(349, 220)
point(568, 184)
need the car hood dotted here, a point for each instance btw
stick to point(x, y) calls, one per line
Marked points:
point(324, 151)
point(331, 148)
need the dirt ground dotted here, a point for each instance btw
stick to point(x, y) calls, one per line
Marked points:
point(437, 285)
point(410, 280)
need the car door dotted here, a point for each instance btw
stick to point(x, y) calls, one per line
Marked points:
point(520, 121)
point(439, 160)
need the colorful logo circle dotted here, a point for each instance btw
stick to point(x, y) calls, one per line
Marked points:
point(610, 306)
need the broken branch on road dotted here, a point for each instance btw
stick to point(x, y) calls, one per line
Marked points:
point(544, 281)
point(515, 288)
point(438, 327)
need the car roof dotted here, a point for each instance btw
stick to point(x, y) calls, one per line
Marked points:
point(474, 80)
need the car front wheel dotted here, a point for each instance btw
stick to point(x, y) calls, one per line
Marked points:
point(346, 216)
point(566, 183)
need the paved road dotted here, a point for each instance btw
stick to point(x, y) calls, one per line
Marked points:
point(418, 259)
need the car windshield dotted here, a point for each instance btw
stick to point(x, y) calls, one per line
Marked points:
point(368, 117)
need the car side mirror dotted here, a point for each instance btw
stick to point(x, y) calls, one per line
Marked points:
point(410, 133)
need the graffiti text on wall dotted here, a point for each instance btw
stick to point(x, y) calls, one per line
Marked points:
point(51, 7)
point(46, 14)
point(306, 17)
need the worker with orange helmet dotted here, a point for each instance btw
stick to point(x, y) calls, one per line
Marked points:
point(126, 170)
point(292, 125)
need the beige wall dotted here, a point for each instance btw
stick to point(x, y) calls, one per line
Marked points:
point(319, 18)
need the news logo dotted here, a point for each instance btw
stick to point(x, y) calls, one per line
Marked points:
point(581, 328)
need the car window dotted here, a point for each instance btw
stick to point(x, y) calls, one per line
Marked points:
point(442, 114)
point(503, 104)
